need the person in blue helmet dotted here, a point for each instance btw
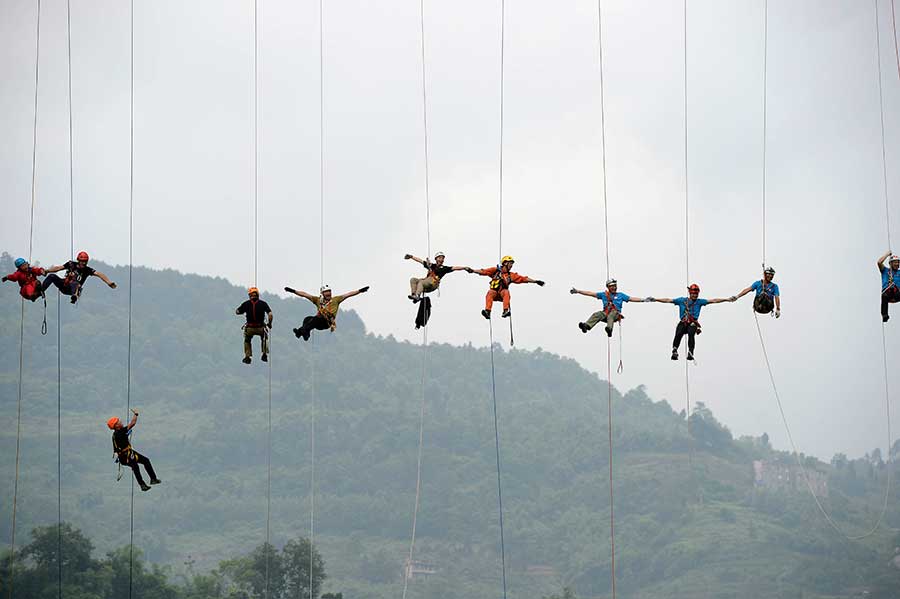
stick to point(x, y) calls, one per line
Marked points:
point(890, 279)
point(26, 276)
point(612, 306)
point(688, 317)
point(768, 296)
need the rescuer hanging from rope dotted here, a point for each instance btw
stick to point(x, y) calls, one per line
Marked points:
point(77, 273)
point(255, 310)
point(767, 297)
point(126, 455)
point(612, 306)
point(327, 306)
point(689, 315)
point(430, 282)
point(890, 279)
point(26, 276)
point(502, 277)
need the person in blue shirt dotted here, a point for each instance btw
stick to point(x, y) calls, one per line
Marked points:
point(612, 306)
point(767, 297)
point(688, 314)
point(890, 279)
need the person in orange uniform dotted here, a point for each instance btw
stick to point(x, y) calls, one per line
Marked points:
point(501, 278)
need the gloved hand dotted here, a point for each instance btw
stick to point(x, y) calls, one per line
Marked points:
point(5, 279)
point(733, 298)
point(469, 269)
point(133, 411)
point(777, 313)
point(573, 291)
point(112, 285)
point(363, 289)
point(540, 283)
point(269, 325)
point(289, 290)
point(649, 299)
point(407, 257)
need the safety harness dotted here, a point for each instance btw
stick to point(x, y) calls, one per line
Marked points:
point(610, 306)
point(499, 281)
point(891, 284)
point(688, 317)
point(328, 316)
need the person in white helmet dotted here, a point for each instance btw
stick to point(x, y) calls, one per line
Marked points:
point(327, 306)
point(431, 281)
point(612, 306)
point(890, 279)
point(768, 296)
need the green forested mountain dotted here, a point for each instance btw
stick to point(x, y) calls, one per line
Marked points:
point(690, 521)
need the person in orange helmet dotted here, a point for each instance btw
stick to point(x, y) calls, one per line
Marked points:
point(689, 317)
point(502, 277)
point(77, 273)
point(126, 455)
point(256, 311)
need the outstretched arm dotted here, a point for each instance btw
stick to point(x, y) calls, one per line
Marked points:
point(720, 300)
point(350, 294)
point(55, 268)
point(103, 278)
point(411, 257)
point(661, 300)
point(455, 268)
point(524, 279)
point(743, 293)
point(882, 259)
point(574, 291)
point(133, 420)
point(302, 294)
point(638, 299)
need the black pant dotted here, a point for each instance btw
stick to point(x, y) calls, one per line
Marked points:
point(891, 295)
point(61, 284)
point(135, 461)
point(683, 329)
point(317, 322)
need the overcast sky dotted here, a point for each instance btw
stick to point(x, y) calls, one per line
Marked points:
point(193, 110)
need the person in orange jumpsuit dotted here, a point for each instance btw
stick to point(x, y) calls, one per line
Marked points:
point(501, 278)
point(26, 276)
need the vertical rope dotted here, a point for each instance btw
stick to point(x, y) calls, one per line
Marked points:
point(59, 445)
point(894, 36)
point(603, 129)
point(130, 289)
point(887, 208)
point(502, 67)
point(255, 146)
point(612, 516)
point(312, 470)
point(765, 121)
point(321, 142)
point(420, 447)
point(497, 447)
point(37, 63)
point(269, 465)
point(687, 237)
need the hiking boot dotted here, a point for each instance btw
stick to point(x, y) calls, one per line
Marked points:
point(584, 327)
point(674, 354)
point(297, 333)
point(609, 332)
point(414, 298)
point(145, 487)
point(264, 357)
point(486, 313)
point(73, 299)
point(305, 335)
point(885, 317)
point(506, 314)
point(690, 355)
point(246, 360)
point(155, 481)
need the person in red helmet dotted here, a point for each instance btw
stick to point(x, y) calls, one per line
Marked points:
point(259, 322)
point(502, 277)
point(126, 455)
point(689, 316)
point(26, 276)
point(77, 273)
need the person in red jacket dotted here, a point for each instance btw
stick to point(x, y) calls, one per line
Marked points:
point(501, 278)
point(27, 278)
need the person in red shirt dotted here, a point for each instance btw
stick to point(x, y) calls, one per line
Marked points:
point(26, 276)
point(501, 278)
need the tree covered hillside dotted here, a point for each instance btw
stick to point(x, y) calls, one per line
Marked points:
point(690, 521)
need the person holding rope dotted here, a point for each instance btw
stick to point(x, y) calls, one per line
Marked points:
point(126, 455)
point(689, 317)
point(255, 310)
point(26, 276)
point(890, 279)
point(430, 282)
point(767, 297)
point(327, 305)
point(612, 306)
point(77, 273)
point(502, 277)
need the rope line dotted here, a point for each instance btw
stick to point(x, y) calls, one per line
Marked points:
point(37, 65)
point(269, 466)
point(894, 29)
point(321, 143)
point(59, 445)
point(800, 463)
point(687, 236)
point(497, 447)
point(887, 209)
point(603, 129)
point(312, 471)
point(502, 68)
point(765, 121)
point(255, 145)
point(412, 541)
point(131, 292)
point(612, 517)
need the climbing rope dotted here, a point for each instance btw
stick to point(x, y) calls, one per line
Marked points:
point(37, 64)
point(130, 289)
point(765, 107)
point(499, 471)
point(612, 523)
point(887, 209)
point(419, 450)
point(687, 236)
point(896, 43)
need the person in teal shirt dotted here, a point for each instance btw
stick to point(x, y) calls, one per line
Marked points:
point(689, 317)
point(890, 279)
point(612, 306)
point(768, 296)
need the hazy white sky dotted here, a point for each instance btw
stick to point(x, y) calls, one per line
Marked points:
point(193, 171)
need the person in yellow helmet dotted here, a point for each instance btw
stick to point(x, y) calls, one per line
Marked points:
point(256, 311)
point(502, 277)
point(126, 455)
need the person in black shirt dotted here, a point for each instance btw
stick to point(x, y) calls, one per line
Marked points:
point(128, 456)
point(436, 271)
point(255, 310)
point(77, 272)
